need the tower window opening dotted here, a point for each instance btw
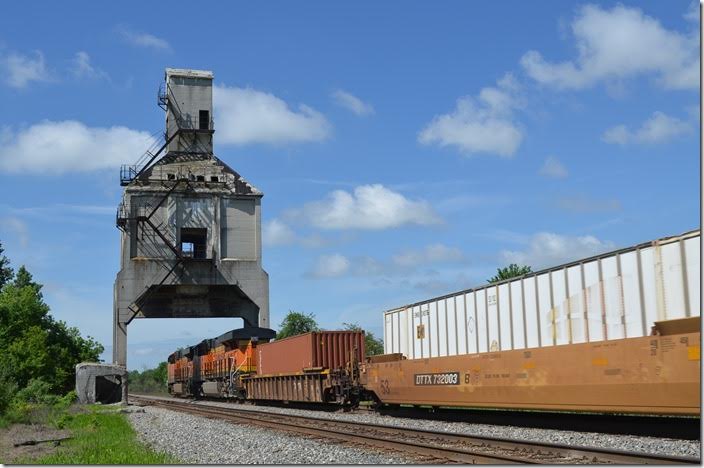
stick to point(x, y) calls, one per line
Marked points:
point(214, 178)
point(203, 120)
point(194, 242)
point(170, 176)
point(200, 178)
point(187, 249)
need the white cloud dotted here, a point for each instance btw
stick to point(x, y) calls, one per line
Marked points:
point(20, 69)
point(82, 67)
point(146, 40)
point(617, 44)
point(659, 128)
point(337, 266)
point(352, 103)
point(245, 115)
point(583, 204)
point(370, 207)
point(548, 249)
point(17, 226)
point(435, 253)
point(275, 232)
point(692, 13)
point(480, 125)
point(404, 264)
point(65, 146)
point(330, 266)
point(554, 169)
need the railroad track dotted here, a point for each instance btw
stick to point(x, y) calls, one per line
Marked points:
point(668, 427)
point(427, 446)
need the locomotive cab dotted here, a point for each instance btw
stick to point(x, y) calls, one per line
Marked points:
point(217, 364)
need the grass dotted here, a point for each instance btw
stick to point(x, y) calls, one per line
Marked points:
point(101, 436)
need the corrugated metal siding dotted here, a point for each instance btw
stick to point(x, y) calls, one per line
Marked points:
point(330, 349)
point(611, 296)
point(304, 387)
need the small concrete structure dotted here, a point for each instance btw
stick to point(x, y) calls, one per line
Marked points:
point(101, 383)
point(191, 225)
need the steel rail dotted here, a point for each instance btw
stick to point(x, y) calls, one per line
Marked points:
point(453, 447)
point(359, 437)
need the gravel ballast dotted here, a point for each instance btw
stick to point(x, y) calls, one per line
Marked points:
point(650, 445)
point(198, 440)
point(162, 428)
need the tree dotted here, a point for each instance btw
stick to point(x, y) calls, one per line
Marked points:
point(297, 323)
point(149, 380)
point(8, 387)
point(24, 278)
point(372, 345)
point(509, 272)
point(35, 349)
point(5, 269)
point(160, 373)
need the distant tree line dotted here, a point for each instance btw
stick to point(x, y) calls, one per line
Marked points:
point(152, 381)
point(38, 354)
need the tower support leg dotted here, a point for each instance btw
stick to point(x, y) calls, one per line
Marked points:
point(119, 340)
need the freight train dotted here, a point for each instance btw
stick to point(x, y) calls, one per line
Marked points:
point(242, 364)
point(618, 333)
point(653, 375)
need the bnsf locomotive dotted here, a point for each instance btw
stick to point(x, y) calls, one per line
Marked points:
point(242, 364)
point(215, 367)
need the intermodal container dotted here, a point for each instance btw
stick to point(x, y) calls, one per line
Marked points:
point(326, 349)
point(615, 295)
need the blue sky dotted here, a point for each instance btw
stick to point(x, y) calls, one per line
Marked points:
point(405, 150)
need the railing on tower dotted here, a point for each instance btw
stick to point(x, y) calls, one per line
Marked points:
point(129, 172)
point(202, 123)
point(195, 123)
point(144, 218)
point(162, 98)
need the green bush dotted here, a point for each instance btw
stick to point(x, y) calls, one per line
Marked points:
point(149, 380)
point(67, 400)
point(32, 405)
point(38, 354)
point(37, 391)
point(8, 389)
point(64, 420)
